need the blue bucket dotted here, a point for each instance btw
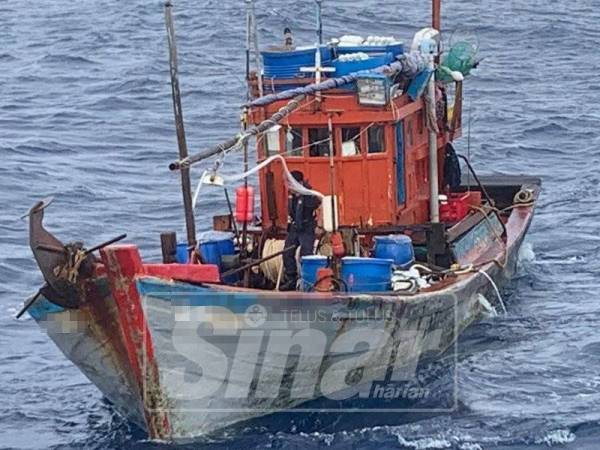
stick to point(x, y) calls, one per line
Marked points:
point(182, 256)
point(396, 247)
point(367, 274)
point(310, 266)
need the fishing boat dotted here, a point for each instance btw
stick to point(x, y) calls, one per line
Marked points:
point(409, 248)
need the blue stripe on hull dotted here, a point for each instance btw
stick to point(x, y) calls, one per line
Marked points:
point(42, 307)
point(184, 294)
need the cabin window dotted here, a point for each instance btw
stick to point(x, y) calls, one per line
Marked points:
point(376, 135)
point(293, 141)
point(350, 141)
point(272, 143)
point(318, 140)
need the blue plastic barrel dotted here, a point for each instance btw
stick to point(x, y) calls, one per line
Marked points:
point(310, 266)
point(214, 245)
point(397, 247)
point(182, 255)
point(287, 64)
point(367, 274)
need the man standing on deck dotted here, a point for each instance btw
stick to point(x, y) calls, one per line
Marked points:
point(302, 223)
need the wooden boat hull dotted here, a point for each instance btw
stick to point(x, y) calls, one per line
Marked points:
point(183, 360)
point(189, 409)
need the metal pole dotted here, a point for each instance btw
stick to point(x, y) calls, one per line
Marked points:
point(332, 180)
point(436, 14)
point(256, 48)
point(319, 21)
point(244, 246)
point(181, 142)
point(434, 194)
point(248, 44)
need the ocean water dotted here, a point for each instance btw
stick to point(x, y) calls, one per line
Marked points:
point(86, 116)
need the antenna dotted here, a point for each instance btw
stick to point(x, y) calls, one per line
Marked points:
point(181, 141)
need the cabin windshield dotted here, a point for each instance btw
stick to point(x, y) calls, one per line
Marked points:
point(318, 140)
point(376, 135)
point(351, 141)
point(293, 141)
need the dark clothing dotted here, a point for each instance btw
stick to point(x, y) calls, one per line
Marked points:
point(301, 231)
point(306, 241)
point(452, 172)
point(301, 211)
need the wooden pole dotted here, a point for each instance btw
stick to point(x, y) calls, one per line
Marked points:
point(181, 142)
point(436, 14)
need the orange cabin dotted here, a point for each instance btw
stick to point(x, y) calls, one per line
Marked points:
point(381, 168)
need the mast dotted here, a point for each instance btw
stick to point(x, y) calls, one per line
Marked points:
point(436, 14)
point(252, 39)
point(319, 22)
point(181, 141)
point(434, 193)
point(248, 43)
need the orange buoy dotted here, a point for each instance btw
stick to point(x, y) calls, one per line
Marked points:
point(244, 204)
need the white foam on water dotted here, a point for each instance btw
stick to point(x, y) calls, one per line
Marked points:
point(325, 438)
point(526, 253)
point(470, 446)
point(424, 443)
point(557, 437)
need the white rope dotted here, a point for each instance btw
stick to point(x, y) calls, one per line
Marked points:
point(272, 268)
point(293, 185)
point(495, 289)
point(197, 191)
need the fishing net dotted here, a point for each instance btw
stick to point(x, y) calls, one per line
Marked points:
point(462, 57)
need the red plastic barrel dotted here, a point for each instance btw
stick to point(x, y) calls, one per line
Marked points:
point(244, 204)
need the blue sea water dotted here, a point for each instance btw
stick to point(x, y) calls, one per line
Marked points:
point(86, 116)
